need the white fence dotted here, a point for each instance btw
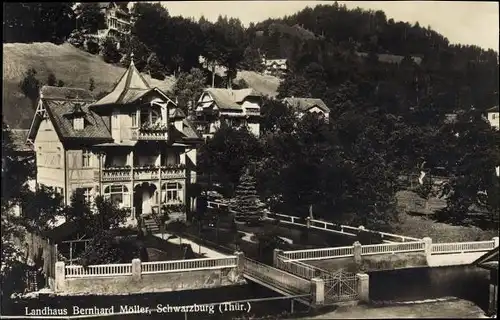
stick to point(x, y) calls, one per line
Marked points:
point(125, 269)
point(324, 253)
point(187, 265)
point(462, 247)
point(104, 270)
point(342, 229)
point(392, 248)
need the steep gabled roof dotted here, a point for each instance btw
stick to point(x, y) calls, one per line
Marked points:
point(129, 88)
point(228, 99)
point(304, 104)
point(58, 103)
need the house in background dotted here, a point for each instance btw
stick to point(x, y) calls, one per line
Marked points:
point(275, 67)
point(489, 261)
point(236, 108)
point(117, 19)
point(301, 106)
point(493, 117)
point(133, 146)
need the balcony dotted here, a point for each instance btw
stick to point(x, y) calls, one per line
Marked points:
point(115, 174)
point(146, 173)
point(151, 132)
point(173, 172)
point(142, 173)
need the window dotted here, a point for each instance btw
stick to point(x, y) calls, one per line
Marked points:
point(118, 194)
point(114, 121)
point(133, 115)
point(87, 193)
point(149, 116)
point(171, 192)
point(493, 116)
point(78, 123)
point(86, 158)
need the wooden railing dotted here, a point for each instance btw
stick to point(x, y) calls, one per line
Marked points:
point(462, 247)
point(277, 278)
point(146, 174)
point(116, 174)
point(141, 134)
point(104, 270)
point(188, 265)
point(392, 248)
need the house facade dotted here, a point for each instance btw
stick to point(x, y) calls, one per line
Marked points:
point(301, 106)
point(133, 146)
point(236, 108)
point(275, 67)
point(118, 21)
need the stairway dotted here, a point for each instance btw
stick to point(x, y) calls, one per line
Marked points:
point(151, 225)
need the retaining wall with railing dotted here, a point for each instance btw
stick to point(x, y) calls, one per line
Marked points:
point(157, 276)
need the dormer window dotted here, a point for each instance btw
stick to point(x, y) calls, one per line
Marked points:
point(78, 123)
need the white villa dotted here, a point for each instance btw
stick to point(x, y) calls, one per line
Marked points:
point(133, 146)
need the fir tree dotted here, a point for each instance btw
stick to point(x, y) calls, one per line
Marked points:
point(246, 201)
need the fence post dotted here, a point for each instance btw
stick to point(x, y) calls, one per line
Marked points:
point(363, 287)
point(428, 247)
point(318, 291)
point(495, 239)
point(308, 222)
point(276, 253)
point(240, 262)
point(136, 269)
point(60, 276)
point(357, 252)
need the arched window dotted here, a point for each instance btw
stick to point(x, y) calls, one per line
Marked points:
point(171, 192)
point(118, 194)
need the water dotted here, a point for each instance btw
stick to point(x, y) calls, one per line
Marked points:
point(465, 282)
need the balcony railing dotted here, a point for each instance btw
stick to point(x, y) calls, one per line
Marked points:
point(150, 132)
point(142, 173)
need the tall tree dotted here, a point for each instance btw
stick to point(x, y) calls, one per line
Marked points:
point(188, 88)
point(30, 86)
point(246, 202)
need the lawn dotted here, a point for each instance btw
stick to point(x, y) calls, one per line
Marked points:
point(420, 227)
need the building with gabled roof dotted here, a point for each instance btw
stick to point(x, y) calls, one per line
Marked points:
point(301, 106)
point(237, 108)
point(134, 145)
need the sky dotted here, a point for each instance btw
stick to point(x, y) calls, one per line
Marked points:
point(473, 23)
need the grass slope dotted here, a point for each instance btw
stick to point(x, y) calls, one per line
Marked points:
point(75, 67)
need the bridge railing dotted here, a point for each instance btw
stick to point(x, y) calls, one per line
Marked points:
point(392, 248)
point(277, 278)
point(462, 247)
point(103, 270)
point(336, 252)
point(188, 265)
point(300, 269)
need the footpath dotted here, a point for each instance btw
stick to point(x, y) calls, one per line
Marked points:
point(197, 248)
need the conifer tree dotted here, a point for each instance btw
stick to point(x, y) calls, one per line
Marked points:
point(246, 202)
